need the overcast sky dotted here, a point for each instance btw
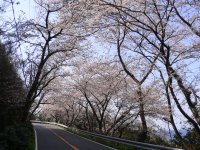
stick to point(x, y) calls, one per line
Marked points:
point(25, 8)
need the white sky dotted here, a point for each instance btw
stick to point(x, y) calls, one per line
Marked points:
point(25, 9)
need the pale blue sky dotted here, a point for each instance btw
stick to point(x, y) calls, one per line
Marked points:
point(25, 8)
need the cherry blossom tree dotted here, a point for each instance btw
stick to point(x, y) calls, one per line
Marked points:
point(49, 46)
point(157, 31)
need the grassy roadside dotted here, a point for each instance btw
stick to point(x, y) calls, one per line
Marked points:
point(31, 141)
point(18, 137)
point(112, 144)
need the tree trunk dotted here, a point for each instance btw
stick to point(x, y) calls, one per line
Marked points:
point(172, 118)
point(186, 92)
point(143, 134)
point(25, 115)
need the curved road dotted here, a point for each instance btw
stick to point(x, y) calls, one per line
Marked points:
point(50, 137)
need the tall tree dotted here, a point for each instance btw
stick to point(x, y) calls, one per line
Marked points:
point(12, 92)
point(158, 30)
point(52, 43)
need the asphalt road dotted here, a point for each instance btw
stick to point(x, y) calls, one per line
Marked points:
point(50, 137)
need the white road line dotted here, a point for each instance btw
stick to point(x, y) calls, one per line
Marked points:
point(36, 144)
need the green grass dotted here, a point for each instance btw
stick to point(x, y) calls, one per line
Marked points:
point(112, 144)
point(31, 143)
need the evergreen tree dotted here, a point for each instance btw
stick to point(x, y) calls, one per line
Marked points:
point(11, 91)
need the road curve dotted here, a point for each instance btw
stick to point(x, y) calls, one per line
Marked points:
point(50, 137)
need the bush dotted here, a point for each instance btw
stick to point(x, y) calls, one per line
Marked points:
point(191, 138)
point(16, 137)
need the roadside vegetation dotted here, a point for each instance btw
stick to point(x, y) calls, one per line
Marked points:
point(17, 137)
point(14, 133)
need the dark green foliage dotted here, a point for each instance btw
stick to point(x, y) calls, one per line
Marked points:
point(17, 137)
point(11, 86)
point(192, 138)
point(12, 93)
point(14, 135)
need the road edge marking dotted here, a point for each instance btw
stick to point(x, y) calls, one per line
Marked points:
point(36, 144)
point(66, 142)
